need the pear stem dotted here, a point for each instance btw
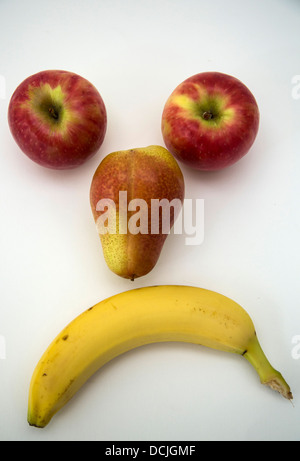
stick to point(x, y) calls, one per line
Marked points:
point(268, 375)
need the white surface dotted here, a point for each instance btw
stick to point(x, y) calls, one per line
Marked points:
point(52, 268)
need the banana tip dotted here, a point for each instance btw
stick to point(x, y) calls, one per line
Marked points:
point(281, 387)
point(35, 425)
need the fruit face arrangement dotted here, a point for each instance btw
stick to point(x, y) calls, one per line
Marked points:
point(210, 121)
point(127, 188)
point(57, 118)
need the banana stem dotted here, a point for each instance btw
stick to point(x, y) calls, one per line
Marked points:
point(268, 375)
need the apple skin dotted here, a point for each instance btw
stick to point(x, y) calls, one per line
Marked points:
point(210, 121)
point(144, 173)
point(57, 118)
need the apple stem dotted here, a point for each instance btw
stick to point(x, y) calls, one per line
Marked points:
point(53, 113)
point(207, 115)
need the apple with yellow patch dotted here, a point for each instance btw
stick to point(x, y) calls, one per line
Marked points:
point(57, 118)
point(210, 121)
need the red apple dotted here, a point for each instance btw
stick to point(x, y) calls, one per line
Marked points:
point(57, 118)
point(210, 121)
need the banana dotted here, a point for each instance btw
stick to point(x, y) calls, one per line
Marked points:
point(137, 317)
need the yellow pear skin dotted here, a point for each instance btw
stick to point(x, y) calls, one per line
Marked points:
point(126, 190)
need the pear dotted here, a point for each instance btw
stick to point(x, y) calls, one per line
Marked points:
point(136, 195)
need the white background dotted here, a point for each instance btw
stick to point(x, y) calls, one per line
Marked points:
point(52, 267)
